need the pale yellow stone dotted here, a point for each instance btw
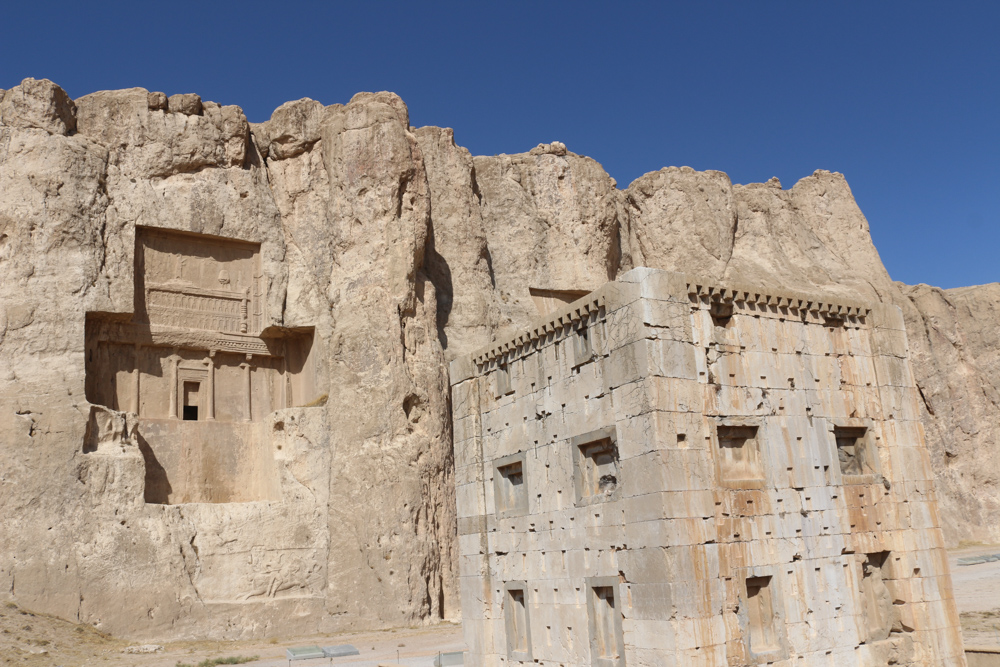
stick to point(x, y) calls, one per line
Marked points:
point(402, 251)
point(786, 524)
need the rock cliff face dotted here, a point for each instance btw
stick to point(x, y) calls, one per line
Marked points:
point(398, 250)
point(955, 346)
point(337, 199)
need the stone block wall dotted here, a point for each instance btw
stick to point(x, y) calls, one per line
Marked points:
point(669, 471)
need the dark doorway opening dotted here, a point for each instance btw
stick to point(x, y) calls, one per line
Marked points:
point(191, 401)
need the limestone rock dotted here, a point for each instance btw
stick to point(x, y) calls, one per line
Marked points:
point(38, 104)
point(552, 229)
point(811, 235)
point(294, 127)
point(143, 649)
point(682, 219)
point(154, 143)
point(388, 358)
point(157, 101)
point(554, 148)
point(954, 338)
point(301, 190)
point(458, 262)
point(188, 104)
point(392, 100)
point(52, 204)
point(398, 250)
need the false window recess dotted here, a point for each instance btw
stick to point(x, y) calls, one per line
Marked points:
point(503, 385)
point(606, 639)
point(739, 454)
point(852, 451)
point(583, 349)
point(509, 486)
point(596, 467)
point(516, 620)
point(761, 615)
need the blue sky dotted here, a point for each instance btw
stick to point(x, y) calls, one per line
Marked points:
point(903, 98)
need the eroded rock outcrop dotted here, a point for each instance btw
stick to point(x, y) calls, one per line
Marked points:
point(393, 250)
point(358, 458)
point(392, 467)
point(954, 340)
point(813, 235)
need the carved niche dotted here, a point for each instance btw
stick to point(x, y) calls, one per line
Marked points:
point(198, 364)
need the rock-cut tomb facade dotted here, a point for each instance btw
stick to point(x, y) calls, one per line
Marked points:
point(669, 471)
point(197, 366)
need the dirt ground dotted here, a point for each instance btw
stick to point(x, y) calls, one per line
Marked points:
point(28, 639)
point(977, 592)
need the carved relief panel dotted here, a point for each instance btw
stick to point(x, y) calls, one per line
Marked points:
point(198, 282)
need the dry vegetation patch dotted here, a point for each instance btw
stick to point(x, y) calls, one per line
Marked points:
point(29, 638)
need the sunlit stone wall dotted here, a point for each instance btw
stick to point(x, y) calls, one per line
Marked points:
point(669, 471)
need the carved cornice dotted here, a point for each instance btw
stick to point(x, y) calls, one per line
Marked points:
point(128, 333)
point(563, 320)
point(192, 290)
point(701, 288)
point(698, 289)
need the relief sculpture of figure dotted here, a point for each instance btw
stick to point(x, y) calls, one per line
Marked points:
point(264, 579)
point(273, 575)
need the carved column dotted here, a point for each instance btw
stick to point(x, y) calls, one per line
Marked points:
point(135, 386)
point(244, 303)
point(285, 394)
point(247, 384)
point(210, 391)
point(173, 384)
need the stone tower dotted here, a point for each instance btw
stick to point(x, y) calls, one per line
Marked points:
point(674, 472)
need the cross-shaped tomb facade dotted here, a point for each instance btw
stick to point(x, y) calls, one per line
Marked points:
point(198, 364)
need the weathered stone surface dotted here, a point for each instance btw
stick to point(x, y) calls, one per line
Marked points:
point(154, 143)
point(38, 104)
point(188, 104)
point(157, 101)
point(392, 473)
point(458, 261)
point(294, 128)
point(399, 250)
point(681, 203)
point(813, 235)
point(650, 479)
point(552, 224)
point(955, 342)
